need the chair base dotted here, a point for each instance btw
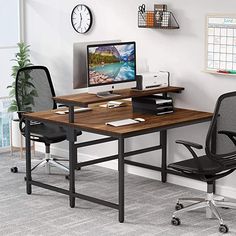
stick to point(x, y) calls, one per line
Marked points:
point(48, 162)
point(210, 203)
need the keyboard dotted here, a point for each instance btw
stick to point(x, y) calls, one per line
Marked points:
point(81, 109)
point(76, 110)
point(122, 122)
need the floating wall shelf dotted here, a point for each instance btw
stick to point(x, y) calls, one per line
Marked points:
point(157, 19)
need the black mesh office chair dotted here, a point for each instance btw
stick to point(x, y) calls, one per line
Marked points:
point(34, 92)
point(219, 161)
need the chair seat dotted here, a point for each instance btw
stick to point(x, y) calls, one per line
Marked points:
point(48, 133)
point(190, 165)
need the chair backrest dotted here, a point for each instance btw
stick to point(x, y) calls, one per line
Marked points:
point(218, 144)
point(34, 89)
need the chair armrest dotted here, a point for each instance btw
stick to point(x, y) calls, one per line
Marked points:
point(226, 132)
point(20, 113)
point(230, 134)
point(61, 105)
point(189, 144)
point(22, 121)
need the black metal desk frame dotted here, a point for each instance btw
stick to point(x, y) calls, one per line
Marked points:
point(73, 165)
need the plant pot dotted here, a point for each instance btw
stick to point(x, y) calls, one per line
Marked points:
point(17, 139)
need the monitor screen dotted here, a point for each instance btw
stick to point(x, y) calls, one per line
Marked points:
point(111, 63)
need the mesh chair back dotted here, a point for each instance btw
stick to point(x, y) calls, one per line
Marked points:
point(223, 148)
point(34, 89)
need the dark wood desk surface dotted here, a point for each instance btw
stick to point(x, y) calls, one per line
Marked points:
point(83, 99)
point(94, 121)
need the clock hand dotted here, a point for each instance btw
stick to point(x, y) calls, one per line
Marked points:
point(80, 20)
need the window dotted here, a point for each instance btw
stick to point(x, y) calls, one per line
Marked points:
point(11, 25)
point(5, 119)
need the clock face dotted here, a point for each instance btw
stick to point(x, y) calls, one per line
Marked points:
point(81, 18)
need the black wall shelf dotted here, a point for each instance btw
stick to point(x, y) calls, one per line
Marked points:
point(157, 19)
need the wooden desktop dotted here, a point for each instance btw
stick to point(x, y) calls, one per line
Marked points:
point(94, 122)
point(84, 99)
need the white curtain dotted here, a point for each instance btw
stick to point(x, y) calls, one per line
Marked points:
point(11, 27)
point(9, 23)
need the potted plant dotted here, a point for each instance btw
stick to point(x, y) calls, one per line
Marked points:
point(22, 59)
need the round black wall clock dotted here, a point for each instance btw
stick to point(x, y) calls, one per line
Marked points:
point(81, 18)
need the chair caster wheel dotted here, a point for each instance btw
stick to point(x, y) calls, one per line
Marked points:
point(179, 206)
point(67, 177)
point(25, 178)
point(175, 221)
point(223, 229)
point(14, 169)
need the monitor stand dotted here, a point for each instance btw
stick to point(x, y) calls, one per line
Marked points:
point(107, 94)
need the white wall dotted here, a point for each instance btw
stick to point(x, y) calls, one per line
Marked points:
point(51, 36)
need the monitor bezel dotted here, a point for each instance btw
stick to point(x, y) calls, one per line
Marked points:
point(109, 44)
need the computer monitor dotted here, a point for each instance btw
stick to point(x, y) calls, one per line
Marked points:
point(80, 62)
point(110, 67)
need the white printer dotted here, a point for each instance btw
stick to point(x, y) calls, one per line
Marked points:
point(153, 80)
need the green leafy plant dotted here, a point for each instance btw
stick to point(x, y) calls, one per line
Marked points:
point(25, 87)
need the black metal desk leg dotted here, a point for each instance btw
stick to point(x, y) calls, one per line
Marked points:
point(163, 142)
point(165, 95)
point(121, 178)
point(72, 161)
point(28, 157)
point(71, 114)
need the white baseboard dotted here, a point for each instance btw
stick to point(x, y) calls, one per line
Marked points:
point(225, 191)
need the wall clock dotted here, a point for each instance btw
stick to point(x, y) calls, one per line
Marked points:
point(81, 18)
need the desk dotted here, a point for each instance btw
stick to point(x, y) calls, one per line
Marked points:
point(153, 123)
point(84, 99)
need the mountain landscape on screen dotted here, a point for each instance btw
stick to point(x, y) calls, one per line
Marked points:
point(109, 63)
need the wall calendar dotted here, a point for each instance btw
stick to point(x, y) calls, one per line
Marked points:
point(221, 44)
